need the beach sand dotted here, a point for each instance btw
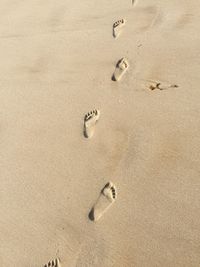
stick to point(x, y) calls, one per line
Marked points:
point(57, 62)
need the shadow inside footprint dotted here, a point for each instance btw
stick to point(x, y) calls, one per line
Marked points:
point(85, 133)
point(91, 215)
point(113, 32)
point(113, 78)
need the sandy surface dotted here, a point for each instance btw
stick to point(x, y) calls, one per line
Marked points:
point(56, 63)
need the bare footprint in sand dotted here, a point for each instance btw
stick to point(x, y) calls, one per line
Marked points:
point(161, 85)
point(133, 2)
point(106, 199)
point(53, 263)
point(120, 70)
point(90, 121)
point(117, 27)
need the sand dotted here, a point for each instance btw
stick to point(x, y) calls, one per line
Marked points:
point(57, 61)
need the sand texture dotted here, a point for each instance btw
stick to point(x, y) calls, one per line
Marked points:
point(57, 59)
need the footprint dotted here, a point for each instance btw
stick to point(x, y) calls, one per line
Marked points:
point(106, 199)
point(117, 27)
point(133, 2)
point(90, 120)
point(53, 263)
point(161, 85)
point(121, 68)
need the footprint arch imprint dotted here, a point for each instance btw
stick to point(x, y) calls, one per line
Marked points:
point(107, 197)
